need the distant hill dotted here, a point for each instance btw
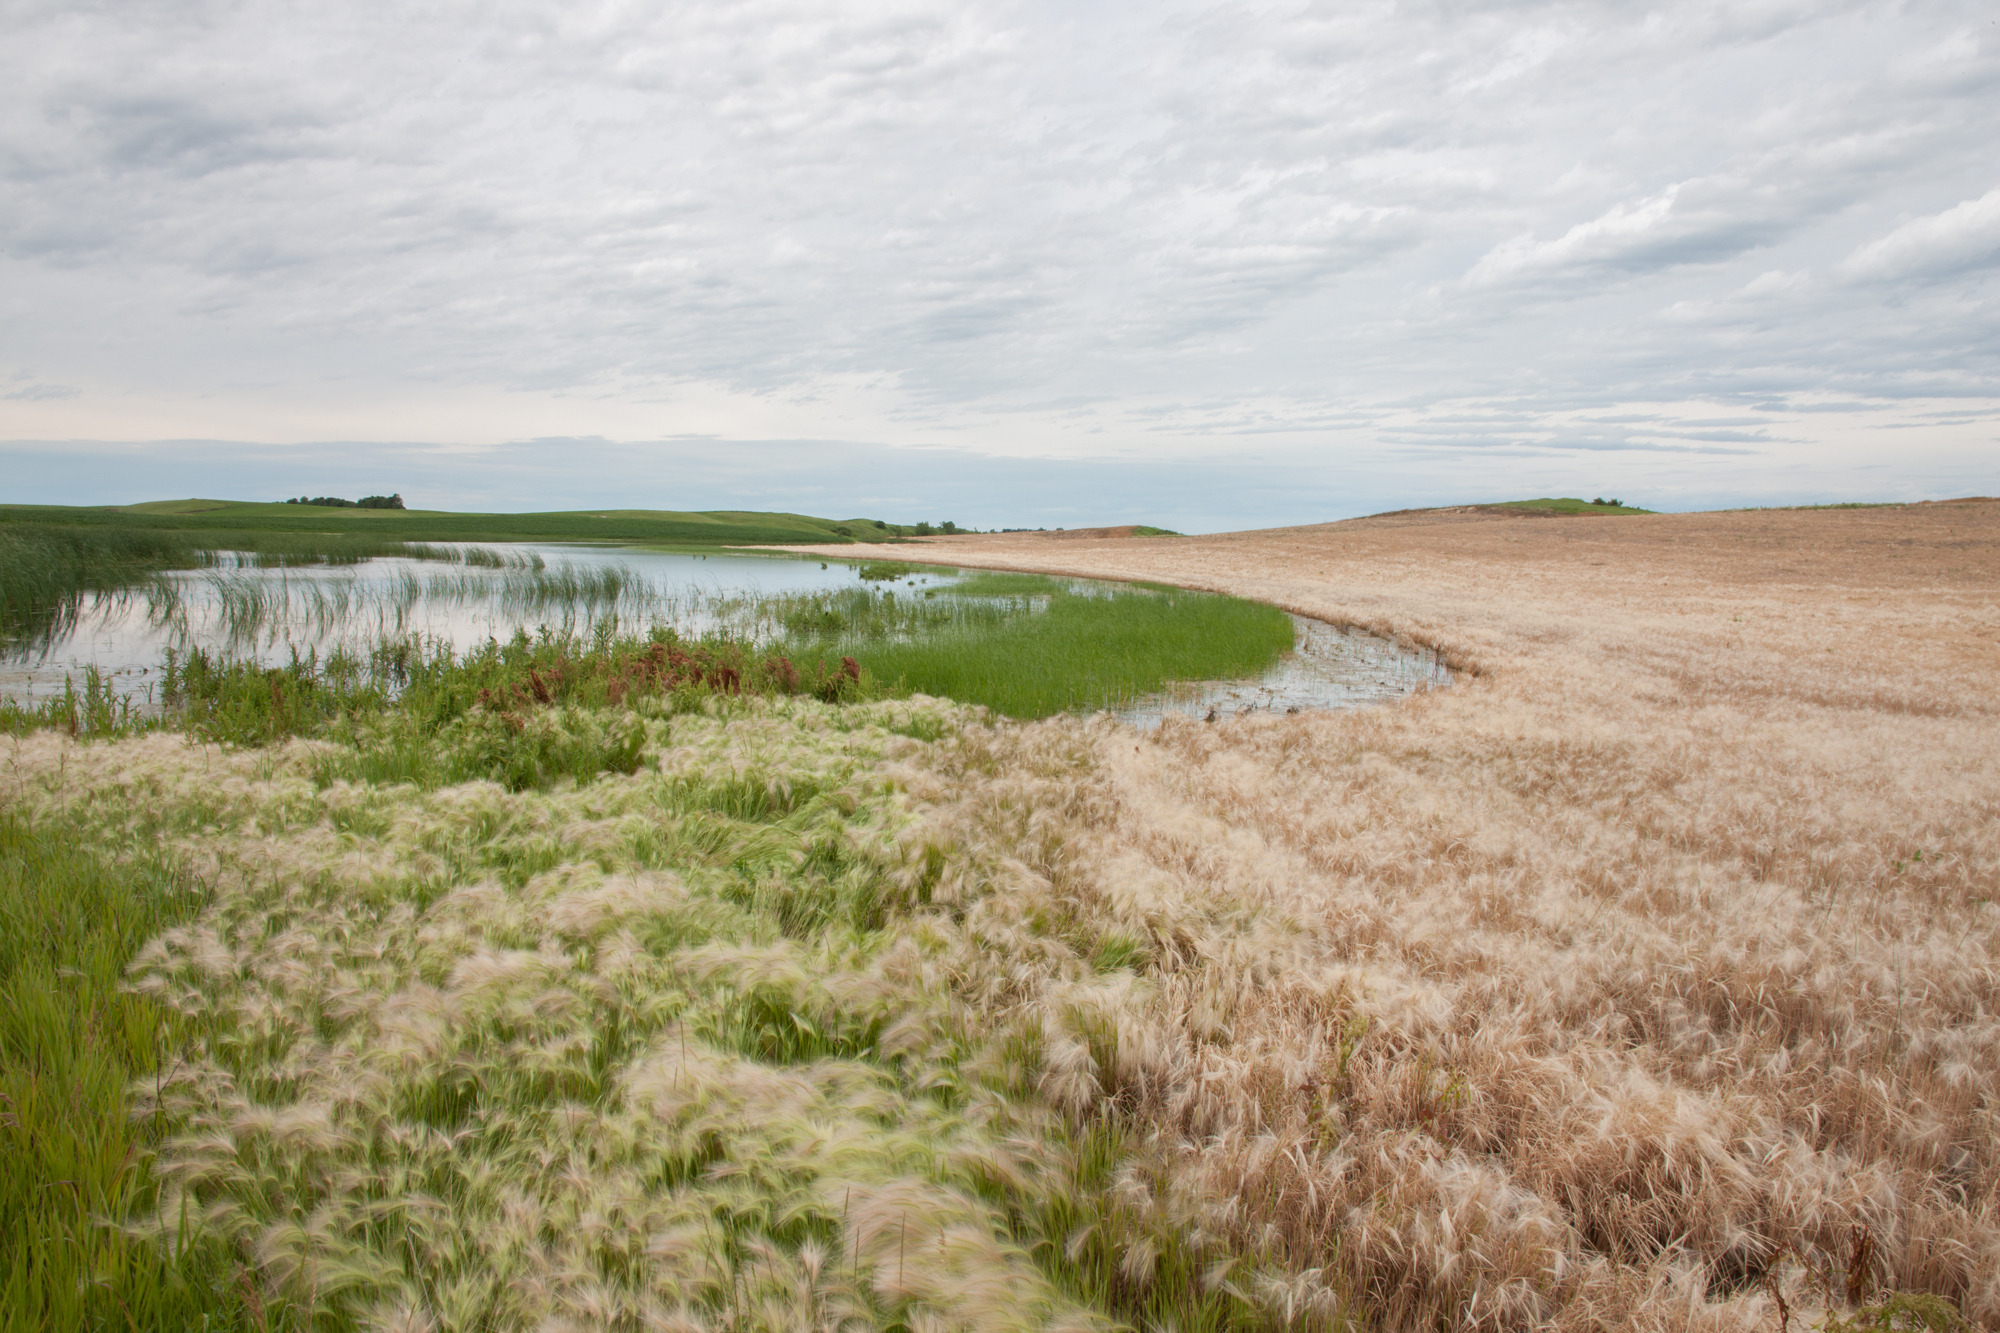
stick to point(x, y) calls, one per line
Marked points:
point(655, 526)
point(1529, 508)
point(1567, 505)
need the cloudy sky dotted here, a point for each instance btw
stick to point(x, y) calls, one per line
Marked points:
point(1210, 265)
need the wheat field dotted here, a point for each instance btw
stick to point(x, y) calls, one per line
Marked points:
point(1643, 978)
point(1647, 977)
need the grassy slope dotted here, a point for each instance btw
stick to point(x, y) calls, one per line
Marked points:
point(1568, 504)
point(626, 525)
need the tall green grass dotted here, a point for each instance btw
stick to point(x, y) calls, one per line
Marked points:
point(1081, 651)
point(47, 570)
point(72, 1041)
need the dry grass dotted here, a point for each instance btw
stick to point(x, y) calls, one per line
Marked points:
point(1646, 978)
point(1620, 992)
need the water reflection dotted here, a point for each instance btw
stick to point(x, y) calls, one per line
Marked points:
point(270, 614)
point(266, 614)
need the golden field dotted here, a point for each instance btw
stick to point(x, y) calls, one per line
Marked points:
point(1645, 977)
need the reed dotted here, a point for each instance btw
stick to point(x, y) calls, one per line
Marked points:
point(47, 571)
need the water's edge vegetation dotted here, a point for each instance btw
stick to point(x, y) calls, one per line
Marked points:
point(750, 943)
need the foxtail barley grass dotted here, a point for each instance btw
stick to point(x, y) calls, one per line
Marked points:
point(1647, 978)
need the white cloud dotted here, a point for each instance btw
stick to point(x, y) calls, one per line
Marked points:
point(1024, 226)
point(1942, 245)
point(1625, 236)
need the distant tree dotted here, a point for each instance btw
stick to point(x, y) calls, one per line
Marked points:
point(880, 524)
point(948, 527)
point(924, 529)
point(381, 502)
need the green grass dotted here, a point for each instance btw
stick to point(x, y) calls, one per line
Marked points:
point(1082, 651)
point(72, 1041)
point(783, 946)
point(667, 527)
point(708, 1029)
point(1567, 505)
point(46, 569)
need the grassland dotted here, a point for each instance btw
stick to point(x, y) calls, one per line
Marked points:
point(1643, 979)
point(1647, 978)
point(1567, 504)
point(635, 526)
point(1081, 652)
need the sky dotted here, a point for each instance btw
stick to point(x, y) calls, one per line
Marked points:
point(1205, 265)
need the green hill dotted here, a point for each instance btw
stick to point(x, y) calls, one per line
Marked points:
point(1569, 505)
point(651, 526)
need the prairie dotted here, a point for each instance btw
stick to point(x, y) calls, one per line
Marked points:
point(1644, 978)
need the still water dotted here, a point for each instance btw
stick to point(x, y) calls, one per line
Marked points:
point(268, 614)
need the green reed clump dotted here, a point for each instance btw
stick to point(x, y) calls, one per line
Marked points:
point(73, 1039)
point(436, 717)
point(1084, 651)
point(46, 570)
point(885, 571)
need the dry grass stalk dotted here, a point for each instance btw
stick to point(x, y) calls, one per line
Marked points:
point(1628, 982)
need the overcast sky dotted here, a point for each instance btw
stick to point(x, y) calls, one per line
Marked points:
point(1210, 265)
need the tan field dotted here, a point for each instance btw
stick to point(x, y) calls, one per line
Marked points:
point(1643, 978)
point(1662, 948)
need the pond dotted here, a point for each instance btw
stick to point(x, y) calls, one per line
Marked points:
point(267, 615)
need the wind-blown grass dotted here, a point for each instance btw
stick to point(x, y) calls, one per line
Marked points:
point(696, 1076)
point(73, 1039)
point(1646, 981)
